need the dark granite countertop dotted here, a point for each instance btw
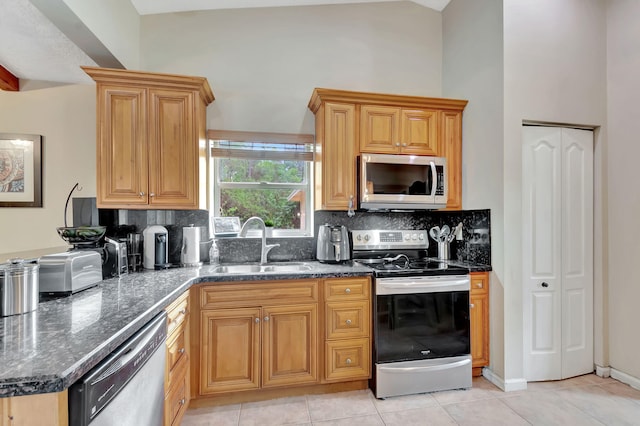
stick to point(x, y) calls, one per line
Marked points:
point(47, 350)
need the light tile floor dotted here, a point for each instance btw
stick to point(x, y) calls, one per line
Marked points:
point(584, 400)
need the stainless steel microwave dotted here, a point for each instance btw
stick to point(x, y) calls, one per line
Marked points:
point(402, 182)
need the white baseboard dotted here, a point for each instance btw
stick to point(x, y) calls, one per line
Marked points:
point(634, 382)
point(603, 371)
point(509, 385)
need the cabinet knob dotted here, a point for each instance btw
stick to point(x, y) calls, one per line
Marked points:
point(397, 143)
point(266, 319)
point(181, 351)
point(183, 311)
point(348, 322)
point(257, 320)
point(182, 401)
point(348, 361)
point(404, 144)
point(141, 194)
point(545, 285)
point(471, 305)
point(478, 285)
point(152, 194)
point(347, 290)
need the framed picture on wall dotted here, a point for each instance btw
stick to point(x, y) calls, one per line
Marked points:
point(20, 170)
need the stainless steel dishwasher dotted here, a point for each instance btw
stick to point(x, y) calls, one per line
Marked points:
point(127, 388)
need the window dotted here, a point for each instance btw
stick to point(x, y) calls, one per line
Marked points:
point(266, 175)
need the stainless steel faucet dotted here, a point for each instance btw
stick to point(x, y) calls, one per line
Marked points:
point(265, 247)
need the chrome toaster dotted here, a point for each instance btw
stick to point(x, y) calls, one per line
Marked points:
point(69, 272)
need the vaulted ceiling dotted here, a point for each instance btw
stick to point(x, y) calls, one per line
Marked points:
point(43, 40)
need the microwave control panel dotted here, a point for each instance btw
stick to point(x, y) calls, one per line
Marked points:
point(378, 239)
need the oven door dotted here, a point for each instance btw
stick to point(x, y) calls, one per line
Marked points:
point(420, 318)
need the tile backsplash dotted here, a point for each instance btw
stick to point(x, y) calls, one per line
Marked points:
point(475, 245)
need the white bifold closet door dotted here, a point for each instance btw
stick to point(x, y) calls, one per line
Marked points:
point(557, 252)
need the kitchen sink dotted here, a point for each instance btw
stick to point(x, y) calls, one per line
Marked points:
point(253, 268)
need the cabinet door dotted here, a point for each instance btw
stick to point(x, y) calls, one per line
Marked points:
point(379, 129)
point(173, 149)
point(229, 350)
point(290, 345)
point(451, 148)
point(338, 157)
point(419, 132)
point(479, 316)
point(121, 146)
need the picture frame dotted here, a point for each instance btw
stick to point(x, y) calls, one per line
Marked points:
point(20, 170)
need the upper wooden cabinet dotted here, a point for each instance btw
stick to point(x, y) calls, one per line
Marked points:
point(390, 130)
point(348, 123)
point(151, 139)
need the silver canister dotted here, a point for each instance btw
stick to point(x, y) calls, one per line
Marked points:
point(19, 287)
point(443, 250)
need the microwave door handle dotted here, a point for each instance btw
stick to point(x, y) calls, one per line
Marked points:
point(434, 178)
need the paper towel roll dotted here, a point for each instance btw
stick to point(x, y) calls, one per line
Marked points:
point(190, 254)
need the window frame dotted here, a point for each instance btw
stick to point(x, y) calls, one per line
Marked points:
point(264, 137)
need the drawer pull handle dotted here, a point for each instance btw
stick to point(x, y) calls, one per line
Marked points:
point(182, 401)
point(348, 322)
point(347, 290)
point(348, 361)
point(181, 351)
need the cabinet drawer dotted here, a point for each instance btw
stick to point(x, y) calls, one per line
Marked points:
point(225, 295)
point(347, 319)
point(479, 283)
point(177, 399)
point(347, 289)
point(348, 359)
point(177, 313)
point(176, 351)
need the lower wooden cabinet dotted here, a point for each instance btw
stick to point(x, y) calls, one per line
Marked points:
point(249, 342)
point(47, 409)
point(177, 374)
point(347, 324)
point(479, 310)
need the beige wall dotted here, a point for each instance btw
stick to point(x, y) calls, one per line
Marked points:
point(473, 70)
point(555, 71)
point(623, 68)
point(539, 60)
point(66, 118)
point(263, 64)
point(115, 23)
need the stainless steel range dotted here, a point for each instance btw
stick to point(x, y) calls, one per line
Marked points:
point(421, 340)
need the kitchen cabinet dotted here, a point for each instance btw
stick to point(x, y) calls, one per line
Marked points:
point(347, 305)
point(151, 139)
point(479, 318)
point(392, 130)
point(47, 409)
point(177, 373)
point(256, 335)
point(335, 157)
point(349, 123)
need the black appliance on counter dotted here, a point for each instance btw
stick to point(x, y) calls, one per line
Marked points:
point(421, 324)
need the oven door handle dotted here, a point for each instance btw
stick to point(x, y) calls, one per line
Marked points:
point(427, 368)
point(417, 287)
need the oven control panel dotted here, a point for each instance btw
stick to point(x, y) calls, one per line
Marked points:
point(383, 239)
